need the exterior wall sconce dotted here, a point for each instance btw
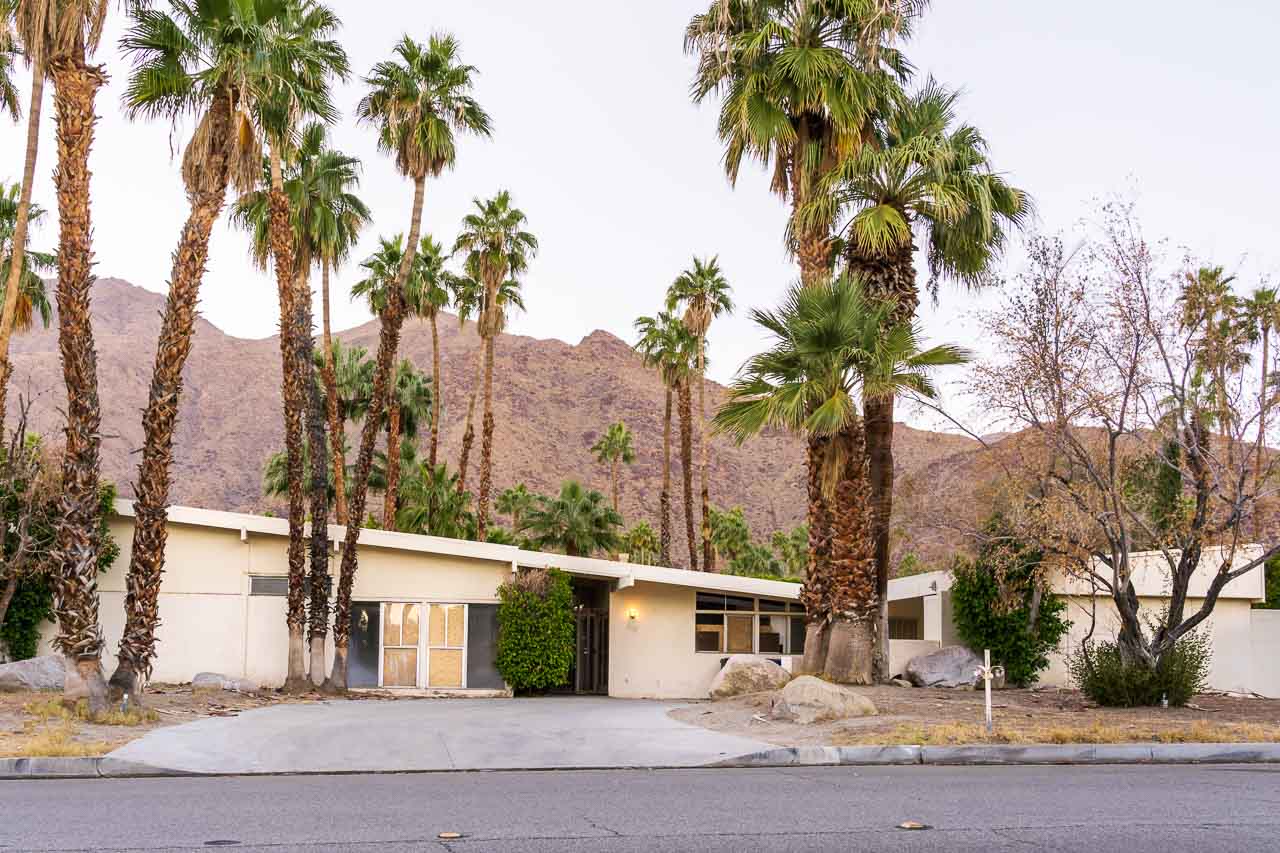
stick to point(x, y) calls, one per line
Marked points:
point(632, 613)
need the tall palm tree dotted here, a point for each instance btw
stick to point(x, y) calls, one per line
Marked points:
point(830, 343)
point(32, 296)
point(577, 521)
point(10, 51)
point(516, 502)
point(417, 102)
point(428, 293)
point(498, 250)
point(1263, 308)
point(433, 505)
point(615, 448)
point(62, 35)
point(201, 60)
point(353, 373)
point(703, 292)
point(799, 82)
point(665, 344)
point(408, 407)
point(923, 175)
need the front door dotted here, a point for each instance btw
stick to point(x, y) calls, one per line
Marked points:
point(591, 668)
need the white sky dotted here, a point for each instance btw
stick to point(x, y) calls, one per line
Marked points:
point(620, 174)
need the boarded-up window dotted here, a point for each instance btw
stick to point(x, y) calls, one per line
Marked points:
point(446, 637)
point(400, 644)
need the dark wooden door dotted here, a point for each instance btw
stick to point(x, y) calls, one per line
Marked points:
point(591, 669)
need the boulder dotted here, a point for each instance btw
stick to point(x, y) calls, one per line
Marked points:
point(953, 666)
point(811, 700)
point(747, 674)
point(42, 673)
point(217, 681)
point(901, 682)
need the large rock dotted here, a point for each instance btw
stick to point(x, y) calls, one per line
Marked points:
point(747, 674)
point(811, 700)
point(953, 666)
point(42, 673)
point(217, 681)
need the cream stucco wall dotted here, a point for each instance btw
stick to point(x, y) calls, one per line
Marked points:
point(1265, 639)
point(652, 656)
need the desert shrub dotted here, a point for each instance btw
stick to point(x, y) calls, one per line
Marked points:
point(536, 630)
point(1101, 673)
point(1272, 586)
point(1001, 603)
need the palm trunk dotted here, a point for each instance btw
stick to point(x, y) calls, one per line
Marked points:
point(13, 286)
point(393, 465)
point(293, 395)
point(435, 392)
point(75, 574)
point(486, 443)
point(815, 592)
point(852, 582)
point(708, 552)
point(336, 431)
point(318, 567)
point(388, 345)
point(813, 250)
point(177, 327)
point(1262, 412)
point(613, 481)
point(664, 500)
point(469, 433)
point(686, 464)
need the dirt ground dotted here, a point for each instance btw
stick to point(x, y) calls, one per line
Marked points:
point(938, 716)
point(35, 724)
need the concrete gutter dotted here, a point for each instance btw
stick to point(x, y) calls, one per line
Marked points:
point(803, 756)
point(1003, 754)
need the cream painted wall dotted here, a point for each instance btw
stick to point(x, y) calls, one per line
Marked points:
point(652, 656)
point(1265, 640)
point(902, 651)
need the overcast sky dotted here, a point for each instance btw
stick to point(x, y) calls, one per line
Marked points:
point(620, 174)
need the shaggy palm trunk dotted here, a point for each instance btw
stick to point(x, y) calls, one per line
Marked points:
point(318, 486)
point(393, 465)
point(813, 250)
point(1262, 411)
point(13, 287)
point(75, 563)
point(177, 327)
point(686, 465)
point(469, 433)
point(613, 481)
point(336, 432)
point(664, 500)
point(388, 344)
point(852, 588)
point(892, 277)
point(708, 552)
point(486, 443)
point(293, 394)
point(435, 392)
point(815, 592)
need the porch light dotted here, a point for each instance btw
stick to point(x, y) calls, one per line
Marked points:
point(632, 613)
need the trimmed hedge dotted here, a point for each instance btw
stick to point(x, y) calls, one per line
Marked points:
point(536, 628)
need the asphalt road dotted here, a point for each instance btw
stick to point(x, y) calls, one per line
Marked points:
point(1095, 809)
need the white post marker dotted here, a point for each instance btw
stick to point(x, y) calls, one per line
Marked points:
point(987, 672)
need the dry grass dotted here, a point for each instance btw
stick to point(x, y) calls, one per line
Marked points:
point(960, 734)
point(57, 740)
point(53, 709)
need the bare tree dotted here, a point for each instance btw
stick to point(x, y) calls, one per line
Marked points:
point(1137, 400)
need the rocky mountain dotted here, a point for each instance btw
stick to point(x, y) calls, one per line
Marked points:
point(552, 400)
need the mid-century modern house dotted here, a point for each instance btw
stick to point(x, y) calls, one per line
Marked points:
point(425, 613)
point(1246, 642)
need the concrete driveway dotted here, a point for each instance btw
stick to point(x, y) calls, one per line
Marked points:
point(437, 734)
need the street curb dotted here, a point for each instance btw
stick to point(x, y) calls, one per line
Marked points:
point(803, 756)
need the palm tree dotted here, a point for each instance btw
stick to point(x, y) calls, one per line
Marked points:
point(577, 522)
point(61, 36)
point(924, 175)
point(10, 50)
point(417, 102)
point(353, 377)
point(831, 343)
point(704, 294)
point(200, 60)
point(433, 505)
point(800, 81)
point(428, 293)
point(32, 297)
point(1264, 309)
point(615, 448)
point(641, 544)
point(515, 503)
point(498, 251)
point(409, 406)
point(665, 344)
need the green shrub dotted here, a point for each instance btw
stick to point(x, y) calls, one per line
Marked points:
point(32, 604)
point(536, 630)
point(993, 597)
point(1100, 673)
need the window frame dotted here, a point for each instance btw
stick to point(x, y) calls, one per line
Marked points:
point(787, 611)
point(424, 642)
